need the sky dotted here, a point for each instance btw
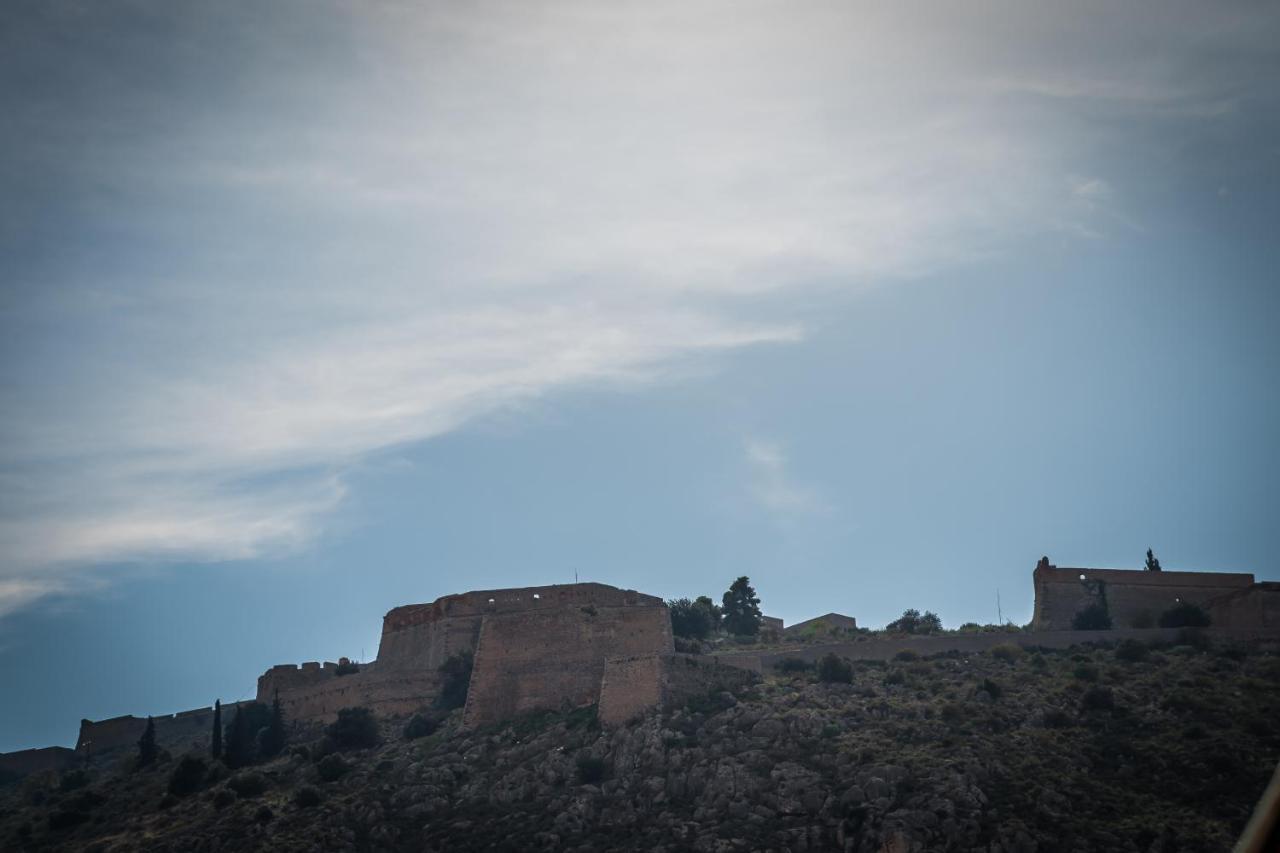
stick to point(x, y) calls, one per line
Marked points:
point(310, 310)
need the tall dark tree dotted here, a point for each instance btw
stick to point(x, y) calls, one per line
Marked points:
point(215, 740)
point(714, 612)
point(272, 739)
point(240, 740)
point(1153, 565)
point(741, 609)
point(147, 750)
point(689, 619)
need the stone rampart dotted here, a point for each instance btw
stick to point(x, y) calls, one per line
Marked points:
point(391, 693)
point(633, 686)
point(546, 658)
point(24, 762)
point(1257, 606)
point(174, 732)
point(1133, 598)
point(884, 649)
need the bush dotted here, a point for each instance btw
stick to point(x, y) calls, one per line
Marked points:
point(346, 667)
point(355, 728)
point(694, 620)
point(240, 741)
point(1131, 651)
point(590, 769)
point(1184, 614)
point(895, 676)
point(911, 622)
point(223, 798)
point(306, 797)
point(72, 780)
point(1086, 672)
point(792, 665)
point(264, 814)
point(1093, 618)
point(420, 725)
point(992, 689)
point(1193, 638)
point(455, 680)
point(1098, 699)
point(1057, 719)
point(906, 655)
point(248, 784)
point(835, 670)
point(188, 777)
point(332, 768)
point(1009, 652)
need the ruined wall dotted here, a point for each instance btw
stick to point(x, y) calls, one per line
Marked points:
point(179, 732)
point(633, 686)
point(1257, 606)
point(1132, 596)
point(545, 659)
point(392, 692)
point(24, 762)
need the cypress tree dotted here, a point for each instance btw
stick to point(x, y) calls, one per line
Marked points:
point(147, 750)
point(215, 740)
point(273, 736)
point(1153, 565)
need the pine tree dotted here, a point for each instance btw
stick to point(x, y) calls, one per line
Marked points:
point(215, 741)
point(147, 750)
point(741, 609)
point(1153, 565)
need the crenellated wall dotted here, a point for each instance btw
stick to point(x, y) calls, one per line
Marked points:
point(174, 732)
point(1134, 598)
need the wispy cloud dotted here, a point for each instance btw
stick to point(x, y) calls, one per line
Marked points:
point(772, 485)
point(235, 268)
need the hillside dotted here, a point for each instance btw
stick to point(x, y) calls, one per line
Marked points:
point(1086, 749)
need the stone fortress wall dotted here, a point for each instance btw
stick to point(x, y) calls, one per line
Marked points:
point(632, 686)
point(1134, 599)
point(175, 732)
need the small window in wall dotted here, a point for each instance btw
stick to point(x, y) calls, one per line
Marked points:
point(536, 596)
point(491, 601)
point(1082, 577)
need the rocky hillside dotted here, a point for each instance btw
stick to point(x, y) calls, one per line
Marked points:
point(1091, 749)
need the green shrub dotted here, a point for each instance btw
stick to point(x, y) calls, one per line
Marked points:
point(906, 655)
point(1057, 719)
point(1098, 698)
point(1131, 651)
point(346, 667)
point(73, 780)
point(223, 798)
point(835, 670)
point(248, 784)
point(895, 676)
point(792, 665)
point(911, 622)
point(1009, 652)
point(1185, 614)
point(306, 797)
point(1086, 672)
point(590, 769)
point(355, 728)
point(1194, 639)
point(1093, 618)
point(168, 801)
point(332, 768)
point(188, 776)
point(455, 680)
point(991, 688)
point(264, 814)
point(420, 725)
point(66, 818)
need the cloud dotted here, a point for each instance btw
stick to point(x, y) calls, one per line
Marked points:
point(253, 245)
point(773, 487)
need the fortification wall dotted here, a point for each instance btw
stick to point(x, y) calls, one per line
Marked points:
point(633, 686)
point(1255, 607)
point(886, 649)
point(175, 732)
point(392, 693)
point(24, 762)
point(546, 659)
point(425, 635)
point(1132, 596)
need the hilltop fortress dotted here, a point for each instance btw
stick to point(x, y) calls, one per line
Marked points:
point(575, 645)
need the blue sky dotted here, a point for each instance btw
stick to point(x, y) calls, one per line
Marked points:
point(311, 312)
